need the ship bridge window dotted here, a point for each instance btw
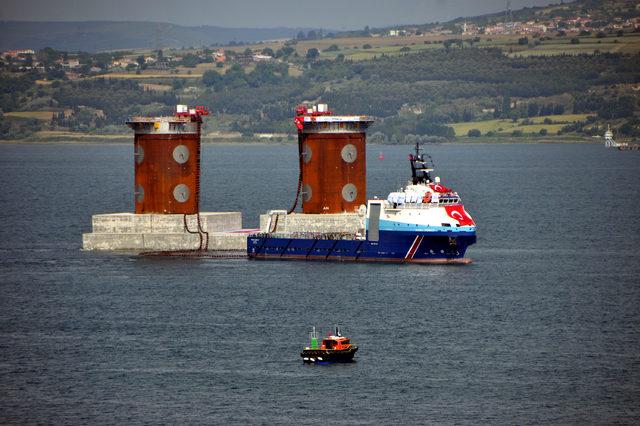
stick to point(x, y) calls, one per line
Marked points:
point(446, 224)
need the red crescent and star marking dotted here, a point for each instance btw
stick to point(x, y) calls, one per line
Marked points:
point(458, 213)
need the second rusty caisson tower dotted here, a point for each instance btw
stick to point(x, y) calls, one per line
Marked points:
point(332, 148)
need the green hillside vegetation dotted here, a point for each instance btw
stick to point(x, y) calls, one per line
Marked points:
point(351, 48)
point(435, 93)
point(555, 124)
point(432, 87)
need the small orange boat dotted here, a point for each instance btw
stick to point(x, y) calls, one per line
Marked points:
point(333, 348)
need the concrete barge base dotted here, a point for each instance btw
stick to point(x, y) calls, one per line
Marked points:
point(279, 221)
point(166, 232)
point(158, 234)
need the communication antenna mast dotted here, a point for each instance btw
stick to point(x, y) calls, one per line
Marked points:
point(158, 35)
point(508, 23)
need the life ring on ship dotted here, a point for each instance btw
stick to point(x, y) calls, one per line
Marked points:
point(426, 198)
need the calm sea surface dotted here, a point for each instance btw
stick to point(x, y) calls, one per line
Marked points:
point(544, 327)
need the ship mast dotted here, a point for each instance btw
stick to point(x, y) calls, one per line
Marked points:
point(420, 167)
point(313, 336)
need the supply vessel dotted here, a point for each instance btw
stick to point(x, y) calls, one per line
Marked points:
point(424, 222)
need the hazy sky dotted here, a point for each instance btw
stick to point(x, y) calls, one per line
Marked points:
point(333, 14)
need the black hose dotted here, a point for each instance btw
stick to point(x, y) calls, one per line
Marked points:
point(295, 202)
point(202, 231)
point(186, 227)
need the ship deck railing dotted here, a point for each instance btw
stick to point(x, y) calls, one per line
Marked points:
point(309, 235)
point(440, 203)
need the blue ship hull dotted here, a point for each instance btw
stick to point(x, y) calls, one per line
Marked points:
point(392, 246)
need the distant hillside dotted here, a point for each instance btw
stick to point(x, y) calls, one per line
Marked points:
point(595, 9)
point(105, 35)
point(598, 10)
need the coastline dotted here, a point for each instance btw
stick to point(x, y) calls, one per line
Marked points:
point(91, 139)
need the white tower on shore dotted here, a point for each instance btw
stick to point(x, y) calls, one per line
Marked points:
point(608, 138)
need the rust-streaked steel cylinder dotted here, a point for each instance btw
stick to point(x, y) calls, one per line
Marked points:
point(167, 164)
point(334, 165)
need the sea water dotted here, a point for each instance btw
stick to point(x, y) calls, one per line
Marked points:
point(543, 327)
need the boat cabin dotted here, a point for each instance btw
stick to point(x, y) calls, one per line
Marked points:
point(335, 342)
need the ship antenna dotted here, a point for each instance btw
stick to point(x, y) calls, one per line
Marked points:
point(417, 149)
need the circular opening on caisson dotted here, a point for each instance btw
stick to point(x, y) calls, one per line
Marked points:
point(181, 193)
point(181, 154)
point(349, 192)
point(349, 153)
point(307, 193)
point(139, 154)
point(306, 153)
point(139, 194)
